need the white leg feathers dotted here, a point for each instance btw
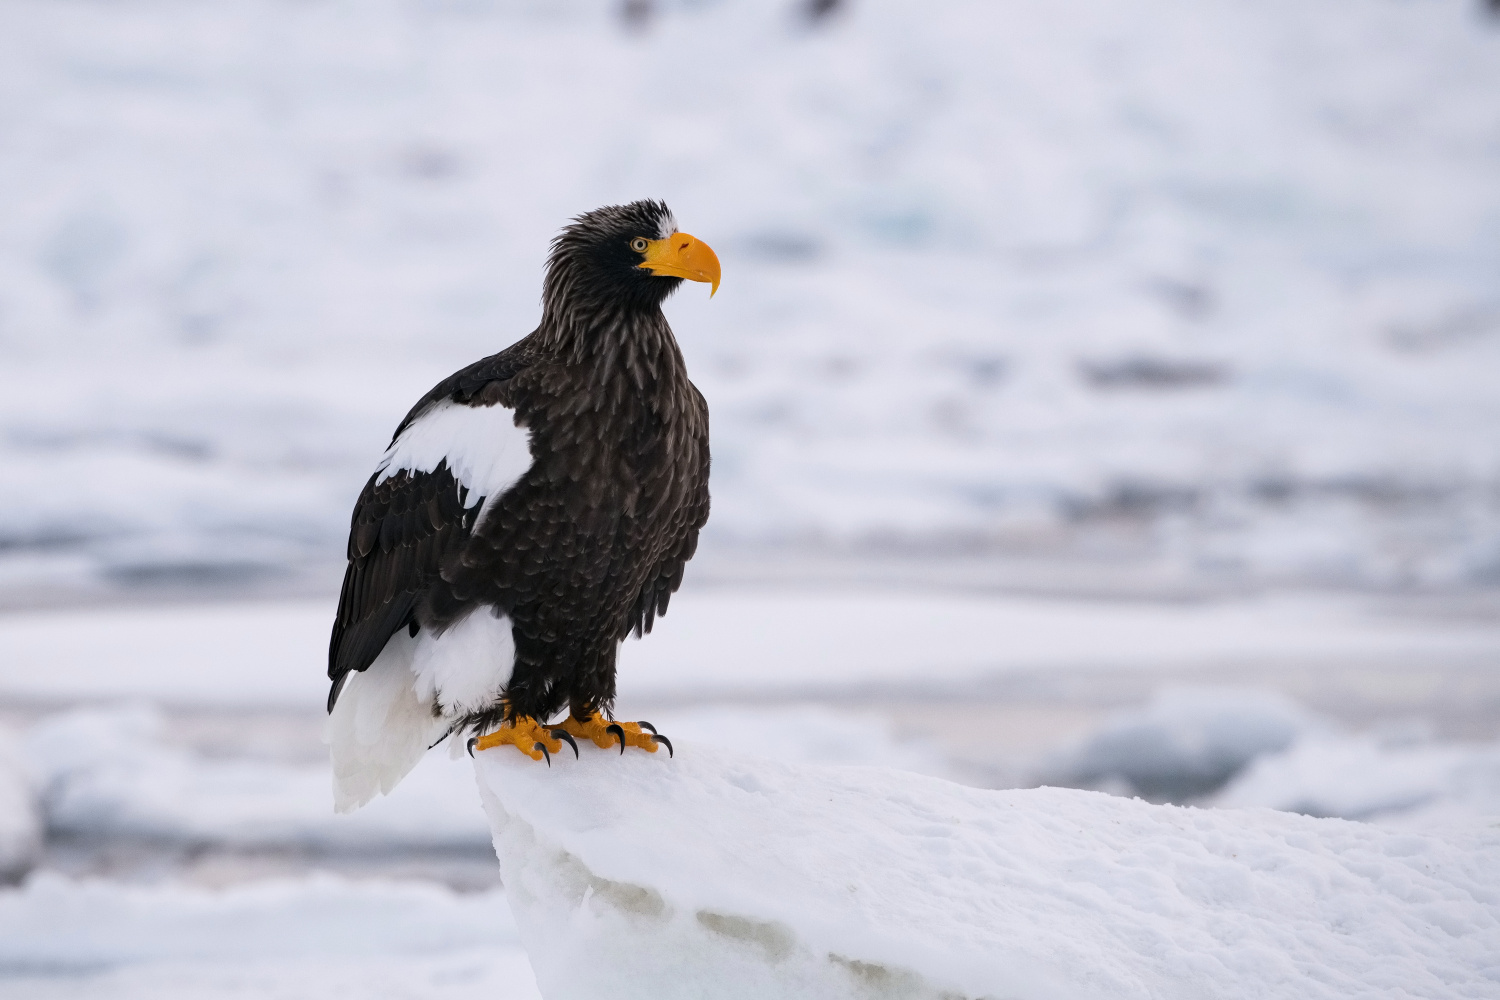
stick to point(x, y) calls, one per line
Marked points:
point(466, 667)
point(388, 715)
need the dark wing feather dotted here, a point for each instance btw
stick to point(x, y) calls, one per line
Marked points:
point(665, 576)
point(404, 529)
point(472, 384)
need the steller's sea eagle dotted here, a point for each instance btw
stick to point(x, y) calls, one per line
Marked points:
point(531, 511)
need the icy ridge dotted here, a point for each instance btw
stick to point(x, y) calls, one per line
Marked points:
point(730, 876)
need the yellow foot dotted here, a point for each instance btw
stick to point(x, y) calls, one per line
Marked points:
point(528, 736)
point(607, 733)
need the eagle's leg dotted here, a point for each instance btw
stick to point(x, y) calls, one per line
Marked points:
point(528, 736)
point(608, 733)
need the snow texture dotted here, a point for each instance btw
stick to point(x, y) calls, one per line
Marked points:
point(20, 814)
point(1395, 783)
point(303, 939)
point(1201, 281)
point(116, 773)
point(494, 973)
point(57, 923)
point(719, 875)
point(1184, 743)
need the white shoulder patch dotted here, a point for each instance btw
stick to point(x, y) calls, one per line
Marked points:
point(485, 449)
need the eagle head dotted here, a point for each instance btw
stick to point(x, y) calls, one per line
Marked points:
point(630, 255)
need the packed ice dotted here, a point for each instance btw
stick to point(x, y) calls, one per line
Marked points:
point(20, 817)
point(716, 874)
point(118, 773)
point(1401, 783)
point(257, 887)
point(57, 924)
point(294, 938)
point(1185, 743)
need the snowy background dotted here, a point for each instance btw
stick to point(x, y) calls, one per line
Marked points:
point(1208, 287)
point(1105, 395)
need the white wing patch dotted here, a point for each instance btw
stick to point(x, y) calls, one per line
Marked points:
point(485, 449)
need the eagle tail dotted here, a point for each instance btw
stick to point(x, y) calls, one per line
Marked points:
point(379, 728)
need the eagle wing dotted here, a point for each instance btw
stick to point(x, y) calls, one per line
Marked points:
point(408, 523)
point(665, 576)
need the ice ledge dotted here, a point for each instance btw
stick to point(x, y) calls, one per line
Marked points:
point(715, 875)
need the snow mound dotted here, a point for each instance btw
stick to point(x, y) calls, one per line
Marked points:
point(20, 819)
point(116, 773)
point(60, 925)
point(1361, 777)
point(1186, 742)
point(720, 875)
point(495, 974)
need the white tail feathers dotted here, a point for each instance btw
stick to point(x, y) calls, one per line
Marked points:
point(379, 729)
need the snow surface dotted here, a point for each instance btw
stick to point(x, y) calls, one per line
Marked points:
point(1411, 784)
point(122, 774)
point(715, 643)
point(116, 773)
point(245, 654)
point(1204, 281)
point(119, 773)
point(20, 817)
point(306, 938)
point(1185, 742)
point(714, 874)
point(54, 923)
point(1238, 747)
point(495, 973)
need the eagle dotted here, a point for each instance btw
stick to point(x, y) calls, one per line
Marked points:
point(531, 512)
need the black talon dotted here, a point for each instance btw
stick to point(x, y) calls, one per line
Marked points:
point(472, 740)
point(647, 725)
point(618, 730)
point(662, 739)
point(543, 748)
point(566, 737)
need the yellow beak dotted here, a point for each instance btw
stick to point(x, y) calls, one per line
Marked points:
point(683, 256)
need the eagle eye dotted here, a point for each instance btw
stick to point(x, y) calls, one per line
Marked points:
point(638, 244)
